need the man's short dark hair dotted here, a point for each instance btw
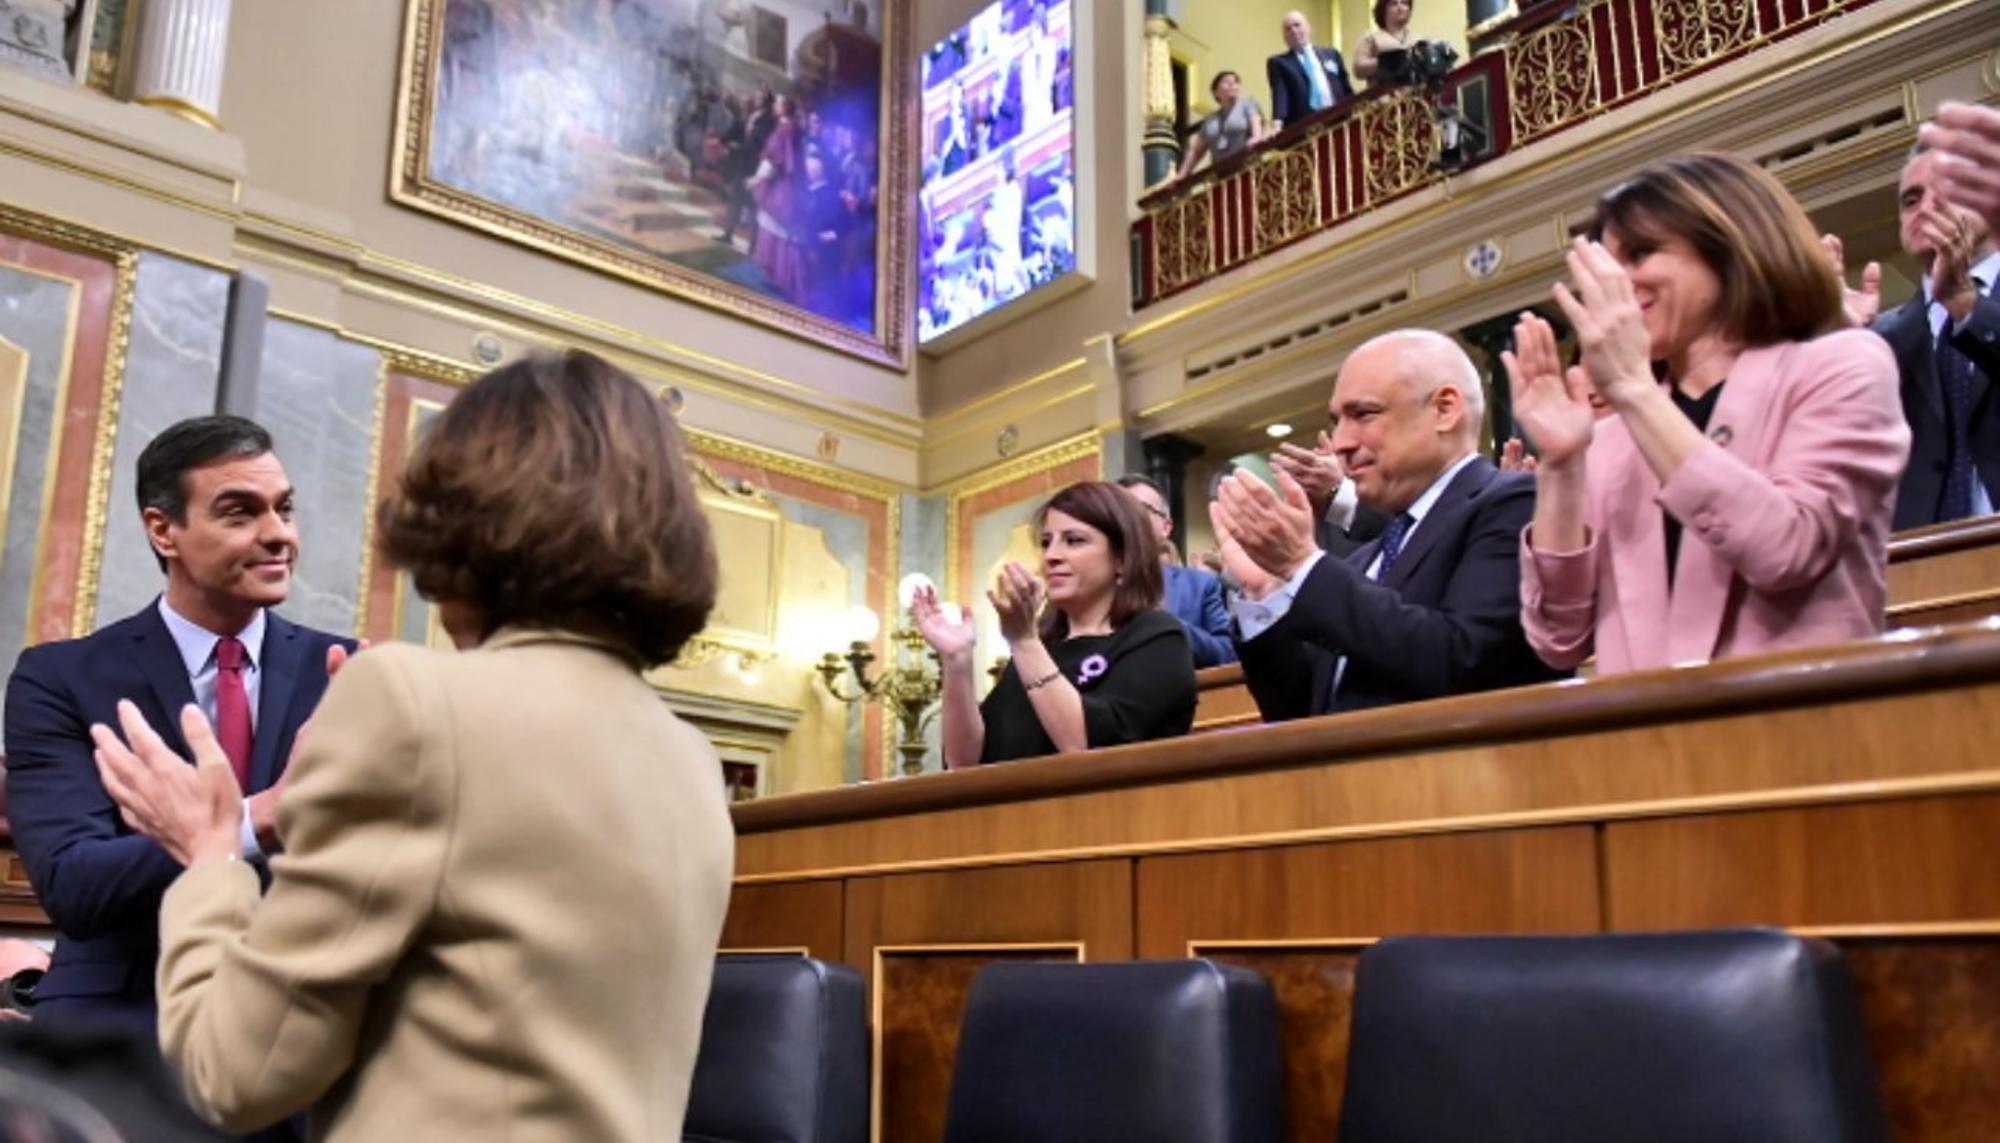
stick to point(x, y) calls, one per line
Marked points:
point(1134, 480)
point(188, 445)
point(185, 446)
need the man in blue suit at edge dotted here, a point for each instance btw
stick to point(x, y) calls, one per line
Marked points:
point(1304, 79)
point(217, 509)
point(1193, 596)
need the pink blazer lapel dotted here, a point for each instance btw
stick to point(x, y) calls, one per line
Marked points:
point(1636, 534)
point(1702, 582)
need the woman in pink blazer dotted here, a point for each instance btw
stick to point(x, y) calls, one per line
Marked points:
point(1738, 498)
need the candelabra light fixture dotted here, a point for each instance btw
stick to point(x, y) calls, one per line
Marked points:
point(908, 685)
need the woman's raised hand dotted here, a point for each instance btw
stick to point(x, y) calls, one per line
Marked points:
point(1617, 350)
point(1552, 404)
point(1017, 597)
point(949, 631)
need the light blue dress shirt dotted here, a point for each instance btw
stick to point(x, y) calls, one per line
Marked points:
point(196, 645)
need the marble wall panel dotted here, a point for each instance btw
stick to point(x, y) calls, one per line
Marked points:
point(37, 316)
point(172, 368)
point(317, 393)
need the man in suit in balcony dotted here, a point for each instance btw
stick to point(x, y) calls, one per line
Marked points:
point(1304, 79)
point(1947, 343)
point(217, 508)
point(1430, 608)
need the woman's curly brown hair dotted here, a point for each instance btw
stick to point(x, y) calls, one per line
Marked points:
point(554, 493)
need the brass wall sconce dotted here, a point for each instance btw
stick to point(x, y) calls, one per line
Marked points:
point(908, 686)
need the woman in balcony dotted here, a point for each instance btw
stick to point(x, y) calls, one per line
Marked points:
point(1236, 125)
point(1738, 497)
point(1095, 662)
point(1391, 33)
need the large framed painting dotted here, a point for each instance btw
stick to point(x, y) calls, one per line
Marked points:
point(742, 154)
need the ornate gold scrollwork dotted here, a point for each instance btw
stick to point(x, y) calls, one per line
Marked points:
point(1284, 189)
point(1552, 76)
point(1398, 139)
point(1693, 32)
point(1184, 246)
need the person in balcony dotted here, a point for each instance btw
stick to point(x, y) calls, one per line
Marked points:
point(1236, 125)
point(1095, 662)
point(1738, 497)
point(1304, 79)
point(1391, 33)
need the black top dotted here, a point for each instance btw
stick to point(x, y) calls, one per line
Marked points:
point(1699, 410)
point(1137, 684)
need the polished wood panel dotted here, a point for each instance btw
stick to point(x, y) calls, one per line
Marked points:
point(1916, 860)
point(1537, 880)
point(1222, 700)
point(1088, 902)
point(791, 915)
point(1945, 574)
point(924, 992)
point(1315, 991)
point(1932, 1010)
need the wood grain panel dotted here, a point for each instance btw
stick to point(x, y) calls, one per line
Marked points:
point(1086, 901)
point(799, 914)
point(923, 1004)
point(1222, 699)
point(1931, 568)
point(1932, 1008)
point(1315, 990)
point(1798, 754)
point(1903, 861)
point(1541, 880)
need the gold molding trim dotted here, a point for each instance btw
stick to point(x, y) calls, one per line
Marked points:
point(411, 185)
point(181, 109)
point(368, 501)
point(83, 613)
point(964, 488)
point(1007, 392)
point(875, 992)
point(1914, 606)
point(1899, 930)
point(776, 950)
point(51, 464)
point(1198, 946)
point(839, 479)
point(1474, 31)
point(1839, 793)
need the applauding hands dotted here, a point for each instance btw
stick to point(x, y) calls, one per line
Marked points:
point(1551, 403)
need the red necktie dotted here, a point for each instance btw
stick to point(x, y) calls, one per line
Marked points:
point(232, 708)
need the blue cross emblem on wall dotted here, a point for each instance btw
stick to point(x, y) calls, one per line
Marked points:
point(1482, 259)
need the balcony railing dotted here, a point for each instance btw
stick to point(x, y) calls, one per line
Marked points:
point(1559, 66)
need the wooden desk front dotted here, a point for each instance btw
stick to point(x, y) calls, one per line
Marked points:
point(1851, 793)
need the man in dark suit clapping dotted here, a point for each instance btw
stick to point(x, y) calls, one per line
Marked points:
point(1304, 79)
point(1430, 608)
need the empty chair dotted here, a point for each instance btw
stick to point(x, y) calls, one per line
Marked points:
point(784, 1055)
point(1741, 1034)
point(1161, 1051)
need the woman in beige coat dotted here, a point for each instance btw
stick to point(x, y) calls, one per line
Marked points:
point(505, 870)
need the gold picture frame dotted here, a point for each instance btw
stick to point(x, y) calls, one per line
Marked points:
point(591, 221)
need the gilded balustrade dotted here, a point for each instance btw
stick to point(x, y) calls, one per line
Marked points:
point(1558, 67)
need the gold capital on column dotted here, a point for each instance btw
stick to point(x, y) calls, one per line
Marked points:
point(1159, 103)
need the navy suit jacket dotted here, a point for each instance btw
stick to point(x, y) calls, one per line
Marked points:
point(1447, 620)
point(99, 882)
point(1907, 329)
point(1194, 597)
point(1291, 91)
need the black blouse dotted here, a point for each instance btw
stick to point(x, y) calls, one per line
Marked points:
point(1699, 410)
point(1137, 684)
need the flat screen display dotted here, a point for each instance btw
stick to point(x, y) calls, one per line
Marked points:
point(996, 205)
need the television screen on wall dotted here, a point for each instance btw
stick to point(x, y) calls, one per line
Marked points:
point(996, 204)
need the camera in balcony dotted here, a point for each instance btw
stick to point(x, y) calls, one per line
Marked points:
point(1424, 64)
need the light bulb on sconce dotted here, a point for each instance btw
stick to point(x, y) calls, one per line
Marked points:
point(861, 624)
point(908, 685)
